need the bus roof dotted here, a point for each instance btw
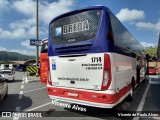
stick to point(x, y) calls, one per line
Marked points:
point(77, 10)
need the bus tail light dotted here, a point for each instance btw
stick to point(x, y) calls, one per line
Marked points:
point(106, 73)
point(105, 78)
point(49, 74)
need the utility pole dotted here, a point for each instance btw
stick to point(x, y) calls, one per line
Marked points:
point(158, 49)
point(158, 56)
point(37, 47)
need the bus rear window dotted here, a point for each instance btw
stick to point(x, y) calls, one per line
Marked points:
point(76, 28)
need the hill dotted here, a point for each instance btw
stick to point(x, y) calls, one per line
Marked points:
point(13, 56)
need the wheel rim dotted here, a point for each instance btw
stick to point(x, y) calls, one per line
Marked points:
point(131, 91)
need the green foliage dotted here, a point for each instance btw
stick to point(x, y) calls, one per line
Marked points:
point(151, 50)
point(13, 56)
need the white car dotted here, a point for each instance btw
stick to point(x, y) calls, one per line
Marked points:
point(3, 88)
point(8, 75)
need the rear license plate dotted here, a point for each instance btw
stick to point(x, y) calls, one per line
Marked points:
point(72, 94)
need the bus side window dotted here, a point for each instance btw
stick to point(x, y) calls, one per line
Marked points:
point(117, 32)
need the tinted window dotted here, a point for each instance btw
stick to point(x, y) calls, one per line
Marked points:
point(110, 33)
point(76, 28)
point(117, 32)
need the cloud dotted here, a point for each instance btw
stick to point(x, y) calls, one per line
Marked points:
point(4, 6)
point(147, 44)
point(3, 49)
point(26, 7)
point(46, 10)
point(16, 33)
point(24, 23)
point(149, 25)
point(26, 44)
point(21, 29)
point(26, 28)
point(50, 10)
point(130, 15)
point(18, 30)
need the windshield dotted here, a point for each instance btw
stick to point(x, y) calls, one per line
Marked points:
point(44, 47)
point(76, 28)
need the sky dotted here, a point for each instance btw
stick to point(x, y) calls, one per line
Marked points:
point(18, 20)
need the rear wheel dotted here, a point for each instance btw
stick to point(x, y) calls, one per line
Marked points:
point(145, 77)
point(144, 80)
point(6, 92)
point(131, 95)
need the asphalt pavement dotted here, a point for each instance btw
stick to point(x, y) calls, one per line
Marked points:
point(31, 97)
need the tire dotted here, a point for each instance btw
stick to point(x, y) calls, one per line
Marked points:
point(145, 76)
point(6, 92)
point(13, 79)
point(144, 80)
point(131, 95)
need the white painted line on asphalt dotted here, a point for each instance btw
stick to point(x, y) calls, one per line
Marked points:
point(26, 79)
point(39, 106)
point(35, 89)
point(22, 86)
point(15, 118)
point(32, 80)
point(140, 107)
point(18, 109)
point(20, 95)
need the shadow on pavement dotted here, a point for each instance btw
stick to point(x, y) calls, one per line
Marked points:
point(11, 102)
point(15, 81)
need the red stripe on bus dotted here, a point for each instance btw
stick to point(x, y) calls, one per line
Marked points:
point(89, 96)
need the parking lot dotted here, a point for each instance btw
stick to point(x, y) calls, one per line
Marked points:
point(33, 97)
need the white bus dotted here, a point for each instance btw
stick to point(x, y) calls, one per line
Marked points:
point(93, 59)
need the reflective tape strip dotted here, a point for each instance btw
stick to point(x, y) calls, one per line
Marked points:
point(32, 69)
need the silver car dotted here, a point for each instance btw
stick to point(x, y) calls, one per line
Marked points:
point(3, 88)
point(8, 75)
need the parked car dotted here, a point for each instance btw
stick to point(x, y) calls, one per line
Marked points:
point(3, 88)
point(7, 74)
point(152, 70)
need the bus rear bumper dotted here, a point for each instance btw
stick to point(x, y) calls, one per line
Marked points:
point(95, 99)
point(81, 102)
